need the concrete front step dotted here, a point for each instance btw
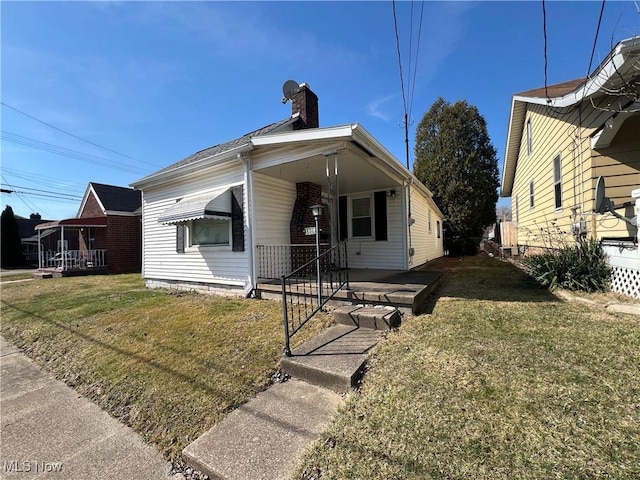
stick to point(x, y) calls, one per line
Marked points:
point(376, 318)
point(265, 438)
point(334, 359)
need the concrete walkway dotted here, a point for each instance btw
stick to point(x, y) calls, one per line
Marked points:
point(49, 431)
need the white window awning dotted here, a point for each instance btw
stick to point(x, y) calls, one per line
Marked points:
point(215, 204)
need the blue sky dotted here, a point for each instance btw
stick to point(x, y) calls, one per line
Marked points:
point(156, 81)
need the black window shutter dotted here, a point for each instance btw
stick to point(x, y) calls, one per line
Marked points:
point(180, 238)
point(237, 219)
point(380, 209)
point(344, 221)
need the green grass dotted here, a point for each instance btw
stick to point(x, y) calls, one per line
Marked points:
point(17, 276)
point(170, 365)
point(501, 381)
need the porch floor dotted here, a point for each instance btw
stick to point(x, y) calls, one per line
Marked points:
point(406, 290)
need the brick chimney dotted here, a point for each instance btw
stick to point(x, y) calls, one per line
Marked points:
point(305, 102)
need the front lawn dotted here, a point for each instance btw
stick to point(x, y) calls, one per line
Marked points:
point(502, 381)
point(170, 365)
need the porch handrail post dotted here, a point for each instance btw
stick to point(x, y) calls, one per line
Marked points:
point(39, 250)
point(346, 264)
point(285, 316)
point(317, 217)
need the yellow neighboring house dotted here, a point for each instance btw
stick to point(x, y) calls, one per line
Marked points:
point(561, 139)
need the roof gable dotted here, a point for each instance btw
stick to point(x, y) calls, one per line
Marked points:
point(228, 146)
point(112, 198)
point(620, 66)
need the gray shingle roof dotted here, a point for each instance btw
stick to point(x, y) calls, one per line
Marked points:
point(223, 147)
point(119, 199)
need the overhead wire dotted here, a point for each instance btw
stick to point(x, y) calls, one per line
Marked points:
point(44, 180)
point(76, 136)
point(61, 194)
point(415, 69)
point(30, 206)
point(69, 153)
point(544, 32)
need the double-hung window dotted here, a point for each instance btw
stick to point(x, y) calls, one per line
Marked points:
point(529, 137)
point(532, 199)
point(361, 217)
point(557, 181)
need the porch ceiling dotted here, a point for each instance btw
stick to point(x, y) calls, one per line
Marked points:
point(356, 172)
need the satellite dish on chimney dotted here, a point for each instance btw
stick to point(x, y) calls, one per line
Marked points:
point(288, 89)
point(604, 204)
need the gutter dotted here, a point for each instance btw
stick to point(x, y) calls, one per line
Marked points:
point(233, 156)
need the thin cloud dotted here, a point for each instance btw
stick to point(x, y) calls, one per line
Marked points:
point(375, 107)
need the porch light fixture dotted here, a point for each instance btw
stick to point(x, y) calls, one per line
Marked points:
point(317, 210)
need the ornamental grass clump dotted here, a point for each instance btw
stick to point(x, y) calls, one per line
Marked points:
point(580, 267)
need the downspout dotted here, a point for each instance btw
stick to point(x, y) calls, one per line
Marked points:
point(142, 230)
point(248, 180)
point(405, 231)
point(410, 222)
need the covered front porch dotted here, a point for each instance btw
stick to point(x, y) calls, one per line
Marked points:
point(407, 290)
point(76, 252)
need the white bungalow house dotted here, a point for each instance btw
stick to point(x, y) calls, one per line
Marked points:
point(225, 217)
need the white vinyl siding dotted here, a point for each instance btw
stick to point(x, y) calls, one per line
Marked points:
point(217, 265)
point(424, 239)
point(273, 203)
point(384, 254)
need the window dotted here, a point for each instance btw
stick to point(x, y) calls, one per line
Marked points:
point(361, 217)
point(557, 181)
point(532, 202)
point(210, 231)
point(529, 138)
point(429, 220)
point(438, 228)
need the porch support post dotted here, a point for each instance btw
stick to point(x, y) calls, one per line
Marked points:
point(39, 250)
point(63, 260)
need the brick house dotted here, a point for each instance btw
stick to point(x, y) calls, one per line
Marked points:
point(107, 229)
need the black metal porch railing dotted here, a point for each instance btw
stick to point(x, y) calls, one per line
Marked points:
point(308, 288)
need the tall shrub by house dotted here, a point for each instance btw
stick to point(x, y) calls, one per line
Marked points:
point(579, 267)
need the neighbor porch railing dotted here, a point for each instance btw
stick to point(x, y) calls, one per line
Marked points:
point(308, 288)
point(73, 259)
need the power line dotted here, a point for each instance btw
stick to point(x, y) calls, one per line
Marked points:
point(395, 24)
point(75, 136)
point(595, 39)
point(415, 69)
point(31, 206)
point(45, 191)
point(44, 180)
point(67, 152)
point(544, 31)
